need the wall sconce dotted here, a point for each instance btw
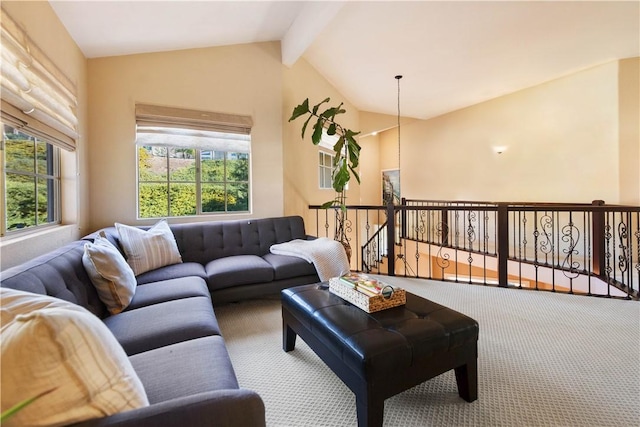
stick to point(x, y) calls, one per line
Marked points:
point(499, 149)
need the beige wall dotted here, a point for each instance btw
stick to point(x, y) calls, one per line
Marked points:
point(44, 28)
point(240, 79)
point(562, 139)
point(301, 187)
point(370, 178)
point(629, 121)
point(573, 139)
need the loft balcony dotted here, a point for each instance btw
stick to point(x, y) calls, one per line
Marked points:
point(586, 249)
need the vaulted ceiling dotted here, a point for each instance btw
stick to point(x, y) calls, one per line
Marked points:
point(452, 54)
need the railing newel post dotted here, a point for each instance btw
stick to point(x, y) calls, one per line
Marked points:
point(391, 239)
point(599, 244)
point(503, 244)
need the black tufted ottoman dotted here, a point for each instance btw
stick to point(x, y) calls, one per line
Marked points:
point(378, 355)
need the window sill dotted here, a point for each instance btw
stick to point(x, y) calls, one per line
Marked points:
point(44, 232)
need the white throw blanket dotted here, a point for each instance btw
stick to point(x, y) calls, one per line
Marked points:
point(328, 256)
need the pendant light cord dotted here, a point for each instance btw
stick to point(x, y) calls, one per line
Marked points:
point(398, 77)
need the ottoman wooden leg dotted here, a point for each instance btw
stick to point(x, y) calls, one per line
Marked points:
point(288, 338)
point(467, 380)
point(370, 412)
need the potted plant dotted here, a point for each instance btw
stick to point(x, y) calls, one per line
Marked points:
point(345, 161)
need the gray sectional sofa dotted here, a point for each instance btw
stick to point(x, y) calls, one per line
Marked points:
point(169, 331)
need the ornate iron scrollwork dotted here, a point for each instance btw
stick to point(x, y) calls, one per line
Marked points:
point(570, 235)
point(623, 258)
point(471, 230)
point(442, 258)
point(607, 237)
point(546, 225)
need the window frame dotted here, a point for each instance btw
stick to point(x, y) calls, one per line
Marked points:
point(324, 168)
point(198, 182)
point(54, 203)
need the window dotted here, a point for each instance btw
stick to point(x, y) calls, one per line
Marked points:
point(31, 181)
point(325, 170)
point(325, 161)
point(185, 168)
point(38, 118)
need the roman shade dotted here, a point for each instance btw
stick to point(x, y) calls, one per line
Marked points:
point(36, 96)
point(178, 127)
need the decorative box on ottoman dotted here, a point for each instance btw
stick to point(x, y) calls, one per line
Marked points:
point(354, 288)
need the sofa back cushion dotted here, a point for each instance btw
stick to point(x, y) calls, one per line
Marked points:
point(59, 273)
point(205, 241)
point(202, 242)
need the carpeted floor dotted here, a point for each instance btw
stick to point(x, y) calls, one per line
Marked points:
point(544, 360)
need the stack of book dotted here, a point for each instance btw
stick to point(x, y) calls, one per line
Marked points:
point(367, 293)
point(367, 285)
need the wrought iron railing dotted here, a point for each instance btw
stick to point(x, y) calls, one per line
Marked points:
point(591, 249)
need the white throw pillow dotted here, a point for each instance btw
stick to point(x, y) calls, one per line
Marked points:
point(109, 272)
point(50, 344)
point(151, 249)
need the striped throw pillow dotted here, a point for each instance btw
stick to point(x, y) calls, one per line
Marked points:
point(47, 344)
point(110, 274)
point(150, 249)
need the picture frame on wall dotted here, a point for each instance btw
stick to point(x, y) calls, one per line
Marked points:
point(391, 186)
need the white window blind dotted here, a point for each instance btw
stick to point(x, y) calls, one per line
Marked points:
point(177, 127)
point(36, 95)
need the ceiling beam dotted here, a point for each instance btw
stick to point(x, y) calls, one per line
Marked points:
point(309, 23)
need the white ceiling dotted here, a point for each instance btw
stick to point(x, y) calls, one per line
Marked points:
point(452, 54)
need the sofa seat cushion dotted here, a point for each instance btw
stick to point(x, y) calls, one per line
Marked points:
point(166, 323)
point(185, 369)
point(238, 270)
point(168, 290)
point(174, 271)
point(286, 267)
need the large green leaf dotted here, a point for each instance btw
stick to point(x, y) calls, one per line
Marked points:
point(304, 126)
point(341, 176)
point(330, 113)
point(338, 146)
point(300, 110)
point(317, 131)
point(355, 174)
point(315, 107)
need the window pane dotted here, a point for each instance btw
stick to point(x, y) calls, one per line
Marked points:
point(21, 201)
point(152, 163)
point(238, 197)
point(237, 167)
point(327, 178)
point(43, 158)
point(153, 200)
point(212, 164)
point(328, 160)
point(182, 164)
point(212, 197)
point(183, 199)
point(19, 151)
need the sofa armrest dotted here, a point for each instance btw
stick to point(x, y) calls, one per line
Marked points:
point(224, 408)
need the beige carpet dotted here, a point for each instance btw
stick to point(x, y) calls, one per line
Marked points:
point(544, 360)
